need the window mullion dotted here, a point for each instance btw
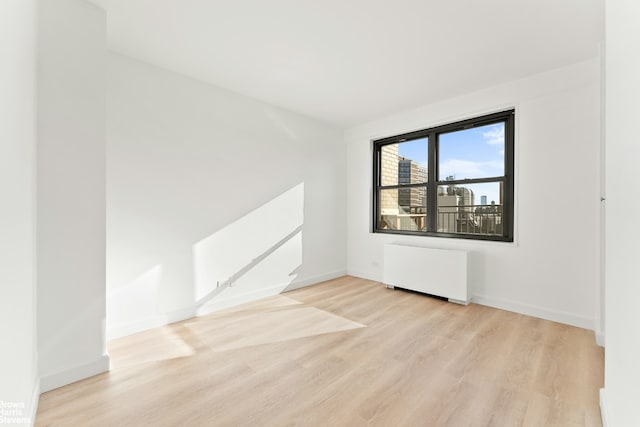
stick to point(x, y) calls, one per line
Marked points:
point(432, 188)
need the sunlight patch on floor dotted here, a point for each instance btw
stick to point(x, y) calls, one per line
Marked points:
point(150, 346)
point(220, 334)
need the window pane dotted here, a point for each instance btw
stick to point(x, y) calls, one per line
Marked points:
point(404, 162)
point(403, 209)
point(471, 153)
point(471, 208)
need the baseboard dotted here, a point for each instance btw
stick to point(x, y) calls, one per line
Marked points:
point(315, 280)
point(125, 329)
point(363, 275)
point(542, 313)
point(32, 409)
point(604, 412)
point(215, 305)
point(21, 410)
point(221, 304)
point(25, 412)
point(76, 373)
point(600, 339)
point(236, 300)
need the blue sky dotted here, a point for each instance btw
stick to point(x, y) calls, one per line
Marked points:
point(470, 153)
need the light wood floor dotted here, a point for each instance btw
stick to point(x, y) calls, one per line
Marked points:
point(347, 352)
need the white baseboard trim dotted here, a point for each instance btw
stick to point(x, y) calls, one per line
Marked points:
point(315, 280)
point(125, 329)
point(76, 373)
point(221, 304)
point(600, 339)
point(604, 412)
point(542, 313)
point(363, 275)
point(32, 406)
point(180, 315)
point(185, 313)
point(260, 293)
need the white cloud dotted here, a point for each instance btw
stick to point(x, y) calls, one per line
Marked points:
point(495, 135)
point(462, 169)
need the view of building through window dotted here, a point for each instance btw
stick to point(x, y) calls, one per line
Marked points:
point(469, 182)
point(404, 163)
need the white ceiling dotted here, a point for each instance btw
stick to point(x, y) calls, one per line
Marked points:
point(345, 62)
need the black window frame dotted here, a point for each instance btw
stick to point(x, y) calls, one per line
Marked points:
point(508, 118)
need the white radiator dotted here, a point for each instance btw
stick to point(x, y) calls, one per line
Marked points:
point(441, 272)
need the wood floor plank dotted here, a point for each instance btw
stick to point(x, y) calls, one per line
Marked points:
point(347, 352)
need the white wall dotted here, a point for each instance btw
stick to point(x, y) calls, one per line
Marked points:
point(207, 186)
point(18, 356)
point(71, 191)
point(622, 106)
point(552, 269)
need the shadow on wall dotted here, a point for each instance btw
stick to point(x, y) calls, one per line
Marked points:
point(256, 256)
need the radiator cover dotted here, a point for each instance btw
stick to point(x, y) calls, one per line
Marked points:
point(441, 272)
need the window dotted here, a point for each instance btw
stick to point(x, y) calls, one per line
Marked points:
point(454, 180)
